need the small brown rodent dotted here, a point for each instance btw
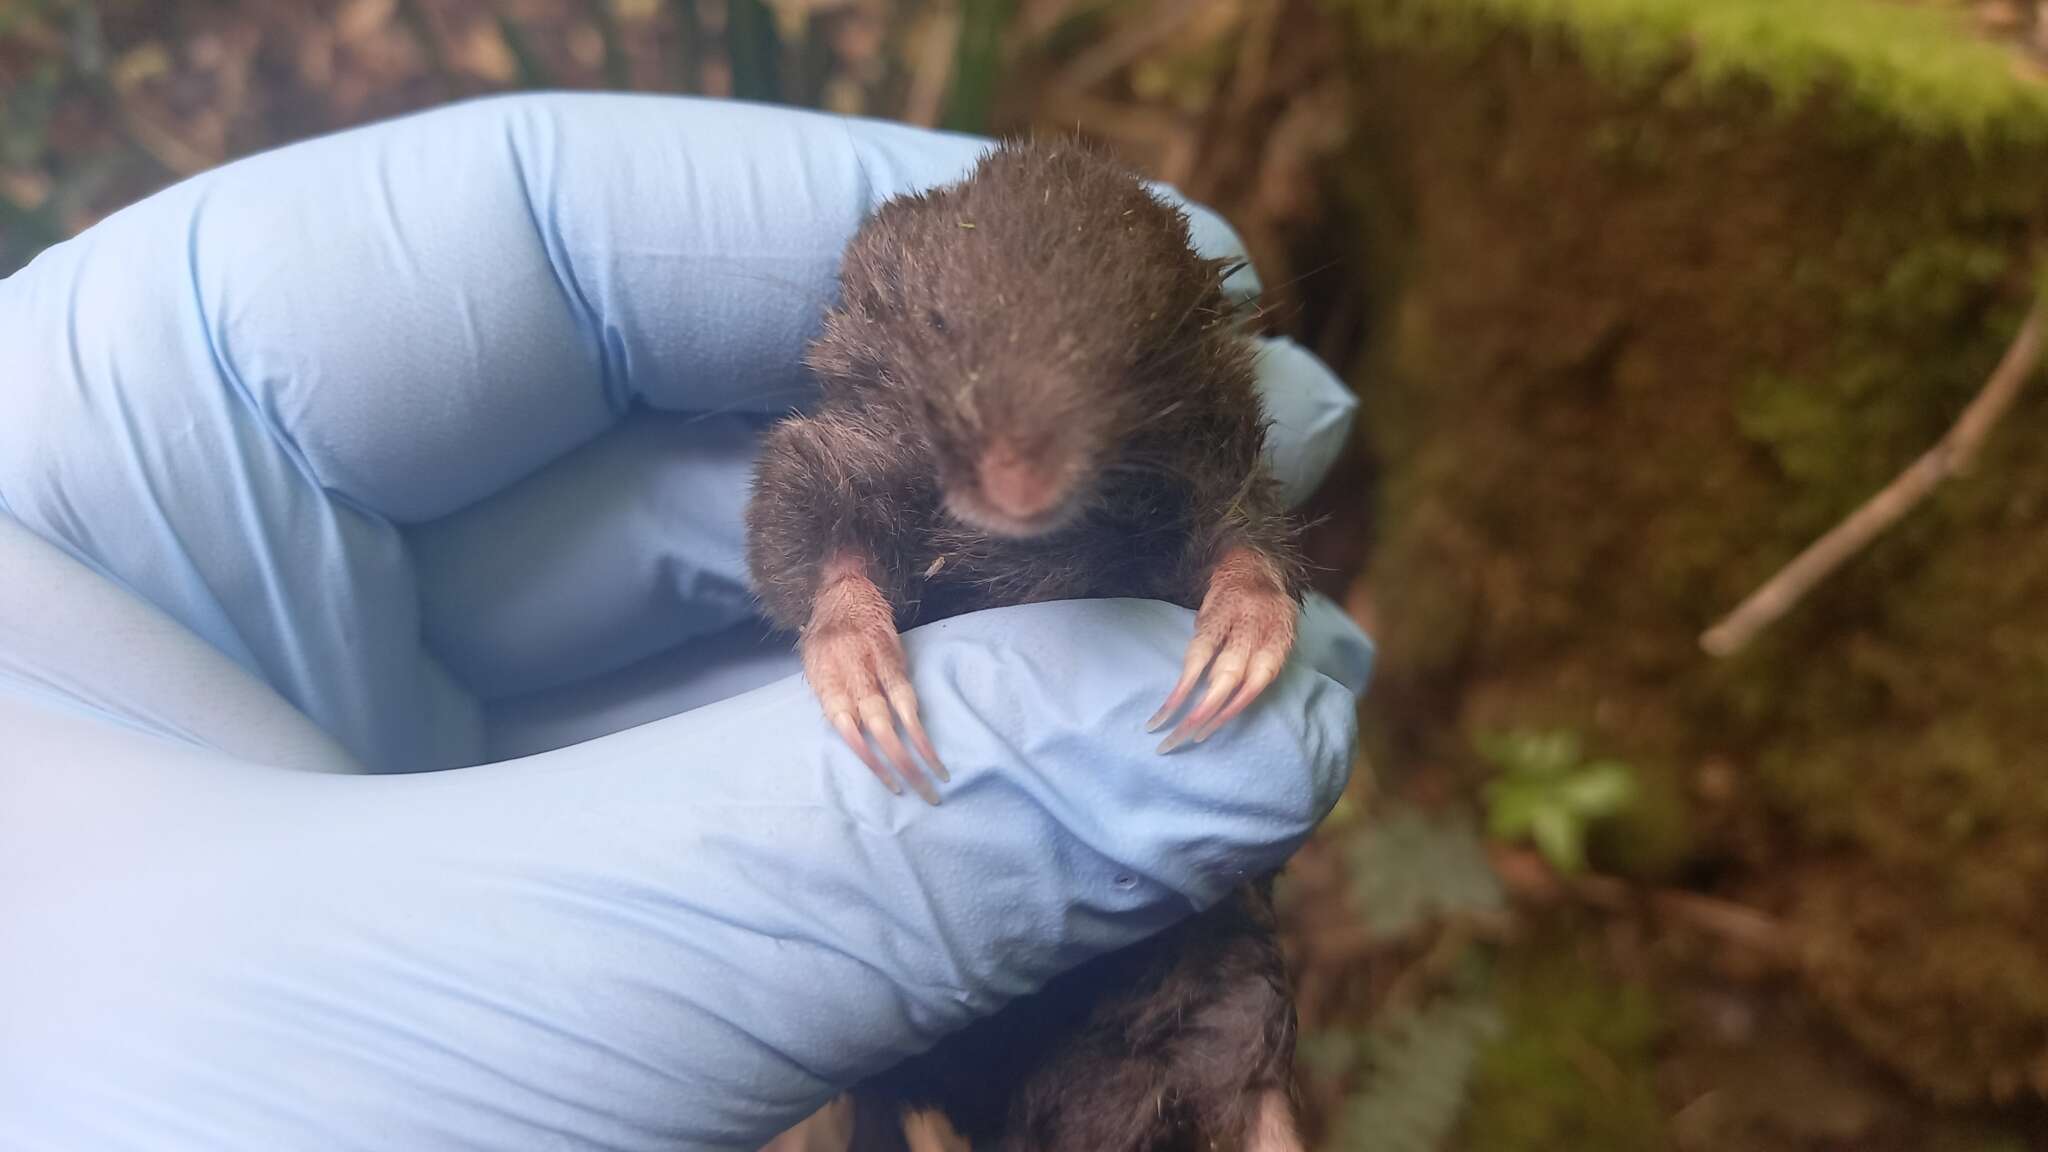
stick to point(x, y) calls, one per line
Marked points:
point(1035, 389)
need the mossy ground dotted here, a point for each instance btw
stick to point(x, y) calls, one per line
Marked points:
point(1913, 66)
point(1573, 1067)
point(1676, 285)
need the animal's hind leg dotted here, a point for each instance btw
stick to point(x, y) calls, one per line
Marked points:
point(1273, 1126)
point(930, 1132)
point(878, 1127)
point(826, 1130)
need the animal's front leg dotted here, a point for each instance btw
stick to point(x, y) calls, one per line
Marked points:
point(853, 658)
point(1244, 632)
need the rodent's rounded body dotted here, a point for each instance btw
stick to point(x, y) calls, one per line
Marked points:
point(1052, 305)
point(1034, 389)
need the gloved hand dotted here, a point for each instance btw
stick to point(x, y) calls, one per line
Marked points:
point(387, 760)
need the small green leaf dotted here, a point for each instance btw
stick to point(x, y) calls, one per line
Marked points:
point(1559, 838)
point(1554, 753)
point(1510, 809)
point(1599, 790)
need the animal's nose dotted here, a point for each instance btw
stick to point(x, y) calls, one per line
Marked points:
point(1016, 485)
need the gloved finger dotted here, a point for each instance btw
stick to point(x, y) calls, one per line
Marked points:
point(228, 396)
point(69, 633)
point(744, 658)
point(623, 549)
point(633, 543)
point(625, 944)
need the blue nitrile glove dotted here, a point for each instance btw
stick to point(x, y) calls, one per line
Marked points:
point(424, 447)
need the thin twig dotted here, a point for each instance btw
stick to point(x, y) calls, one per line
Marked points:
point(1950, 457)
point(1527, 876)
point(1735, 923)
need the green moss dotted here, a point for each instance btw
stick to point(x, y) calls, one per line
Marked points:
point(1637, 355)
point(1917, 67)
point(1573, 1066)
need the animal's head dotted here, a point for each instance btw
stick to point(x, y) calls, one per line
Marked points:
point(1024, 321)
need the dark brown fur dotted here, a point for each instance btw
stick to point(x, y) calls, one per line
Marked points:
point(1050, 297)
point(1073, 314)
point(1165, 1046)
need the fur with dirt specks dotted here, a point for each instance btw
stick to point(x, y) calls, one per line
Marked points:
point(1049, 297)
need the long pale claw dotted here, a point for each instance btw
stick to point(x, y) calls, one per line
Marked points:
point(1224, 678)
point(903, 698)
point(881, 724)
point(1200, 651)
point(1265, 669)
point(849, 731)
point(1243, 635)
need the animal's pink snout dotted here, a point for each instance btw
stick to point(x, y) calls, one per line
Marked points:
point(1017, 486)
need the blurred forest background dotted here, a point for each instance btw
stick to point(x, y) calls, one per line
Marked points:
point(1642, 298)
